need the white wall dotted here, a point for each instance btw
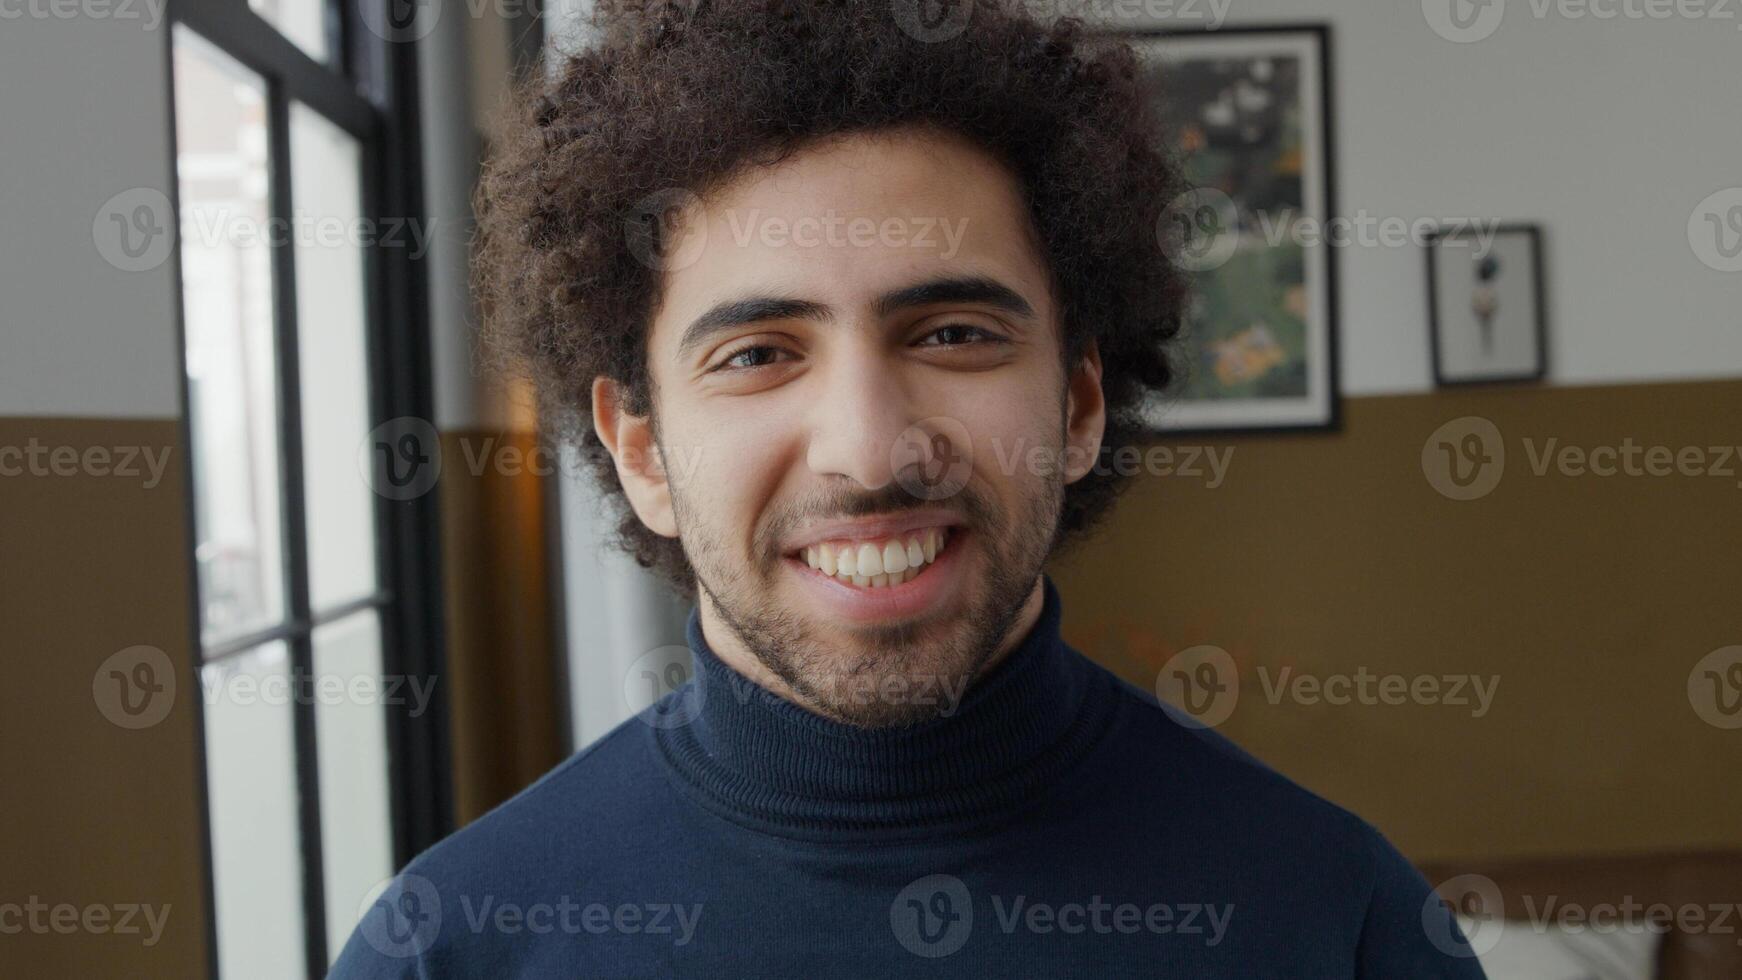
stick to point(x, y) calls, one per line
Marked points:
point(84, 115)
point(1608, 133)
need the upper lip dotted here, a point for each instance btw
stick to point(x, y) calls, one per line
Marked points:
point(870, 528)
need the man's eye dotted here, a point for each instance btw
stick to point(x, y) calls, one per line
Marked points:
point(956, 335)
point(750, 357)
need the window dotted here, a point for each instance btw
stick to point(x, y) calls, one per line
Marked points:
point(301, 326)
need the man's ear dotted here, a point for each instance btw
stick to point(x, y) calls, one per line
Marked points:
point(1085, 415)
point(629, 440)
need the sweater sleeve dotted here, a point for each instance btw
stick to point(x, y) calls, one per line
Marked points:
point(1407, 931)
point(393, 940)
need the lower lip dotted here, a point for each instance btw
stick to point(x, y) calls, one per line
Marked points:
point(868, 605)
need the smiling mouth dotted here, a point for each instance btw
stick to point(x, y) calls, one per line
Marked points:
point(877, 563)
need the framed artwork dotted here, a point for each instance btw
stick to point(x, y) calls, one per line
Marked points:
point(1485, 306)
point(1251, 110)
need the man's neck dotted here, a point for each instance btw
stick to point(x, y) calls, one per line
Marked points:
point(731, 651)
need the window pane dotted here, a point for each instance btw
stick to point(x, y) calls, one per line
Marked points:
point(351, 743)
point(326, 196)
point(256, 846)
point(303, 21)
point(221, 165)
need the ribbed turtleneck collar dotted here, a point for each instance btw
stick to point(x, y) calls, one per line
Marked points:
point(763, 761)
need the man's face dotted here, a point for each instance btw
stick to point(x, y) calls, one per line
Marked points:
point(856, 362)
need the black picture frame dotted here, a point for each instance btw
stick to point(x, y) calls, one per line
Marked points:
point(1446, 375)
point(1172, 416)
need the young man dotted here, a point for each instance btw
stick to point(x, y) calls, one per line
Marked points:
point(815, 280)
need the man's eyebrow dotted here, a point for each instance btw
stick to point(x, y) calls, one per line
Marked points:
point(968, 289)
point(756, 309)
point(737, 313)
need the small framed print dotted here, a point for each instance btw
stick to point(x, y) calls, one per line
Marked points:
point(1485, 305)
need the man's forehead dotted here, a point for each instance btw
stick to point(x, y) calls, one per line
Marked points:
point(848, 223)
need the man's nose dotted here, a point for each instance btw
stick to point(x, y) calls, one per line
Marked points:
point(864, 409)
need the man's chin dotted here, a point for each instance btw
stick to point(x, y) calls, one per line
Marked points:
point(886, 675)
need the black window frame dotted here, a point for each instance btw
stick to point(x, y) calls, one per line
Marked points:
point(367, 88)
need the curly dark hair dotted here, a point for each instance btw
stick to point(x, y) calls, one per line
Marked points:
point(691, 94)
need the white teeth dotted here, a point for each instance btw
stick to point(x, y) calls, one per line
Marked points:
point(870, 560)
point(868, 565)
point(894, 557)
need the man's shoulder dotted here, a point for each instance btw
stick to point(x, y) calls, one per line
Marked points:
point(555, 843)
point(1246, 820)
point(1191, 770)
point(586, 804)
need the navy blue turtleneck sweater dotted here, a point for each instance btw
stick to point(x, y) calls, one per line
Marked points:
point(1058, 823)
